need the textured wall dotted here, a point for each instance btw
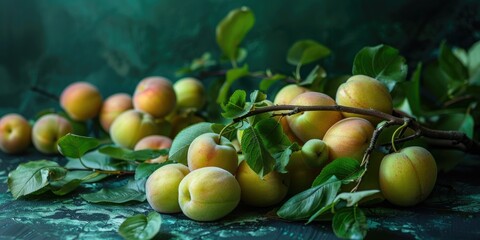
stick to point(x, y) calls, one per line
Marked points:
point(114, 43)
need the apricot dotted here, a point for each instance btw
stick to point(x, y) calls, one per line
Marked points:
point(155, 96)
point(259, 192)
point(300, 173)
point(312, 124)
point(154, 142)
point(112, 107)
point(362, 91)
point(132, 125)
point(349, 137)
point(209, 149)
point(407, 177)
point(208, 194)
point(15, 133)
point(81, 101)
point(161, 187)
point(190, 93)
point(284, 97)
point(47, 130)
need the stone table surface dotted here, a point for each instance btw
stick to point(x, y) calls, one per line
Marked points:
point(451, 212)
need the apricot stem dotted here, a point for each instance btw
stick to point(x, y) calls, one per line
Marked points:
point(399, 129)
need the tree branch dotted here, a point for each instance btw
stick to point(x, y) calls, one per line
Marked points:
point(456, 139)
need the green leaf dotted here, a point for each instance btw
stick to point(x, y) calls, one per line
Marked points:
point(232, 76)
point(346, 169)
point(75, 146)
point(269, 81)
point(306, 51)
point(457, 122)
point(306, 203)
point(467, 126)
point(34, 177)
point(236, 105)
point(474, 61)
point(133, 191)
point(141, 227)
point(130, 155)
point(145, 169)
point(73, 179)
point(350, 223)
point(315, 77)
point(353, 198)
point(436, 81)
point(97, 160)
point(179, 149)
point(256, 154)
point(450, 64)
point(231, 31)
point(413, 91)
point(276, 142)
point(381, 62)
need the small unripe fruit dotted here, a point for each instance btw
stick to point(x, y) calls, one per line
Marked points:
point(315, 153)
point(362, 91)
point(407, 177)
point(81, 101)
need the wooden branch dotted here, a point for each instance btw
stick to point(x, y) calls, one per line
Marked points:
point(456, 139)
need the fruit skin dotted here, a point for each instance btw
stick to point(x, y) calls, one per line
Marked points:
point(161, 187)
point(259, 192)
point(301, 174)
point(288, 93)
point(112, 107)
point(361, 91)
point(349, 137)
point(208, 194)
point(47, 130)
point(81, 101)
point(15, 133)
point(155, 95)
point(132, 125)
point(190, 93)
point(407, 177)
point(312, 124)
point(209, 149)
point(154, 142)
point(283, 97)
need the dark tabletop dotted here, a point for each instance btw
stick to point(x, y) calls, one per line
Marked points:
point(451, 212)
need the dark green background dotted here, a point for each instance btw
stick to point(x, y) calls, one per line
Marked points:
point(115, 43)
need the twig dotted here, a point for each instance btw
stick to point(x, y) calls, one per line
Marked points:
point(44, 93)
point(456, 139)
